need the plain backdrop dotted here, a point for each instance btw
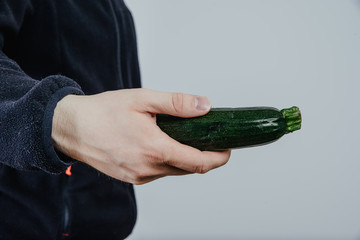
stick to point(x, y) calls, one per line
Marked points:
point(243, 53)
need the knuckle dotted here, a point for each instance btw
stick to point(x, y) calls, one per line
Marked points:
point(177, 101)
point(201, 168)
point(139, 177)
point(165, 158)
point(154, 157)
point(142, 175)
point(138, 182)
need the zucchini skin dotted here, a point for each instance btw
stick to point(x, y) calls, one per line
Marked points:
point(226, 128)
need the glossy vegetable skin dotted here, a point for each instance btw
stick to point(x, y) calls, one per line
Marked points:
point(229, 128)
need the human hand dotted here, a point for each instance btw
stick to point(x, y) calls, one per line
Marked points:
point(116, 133)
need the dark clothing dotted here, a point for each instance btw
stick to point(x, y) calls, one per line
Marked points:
point(49, 49)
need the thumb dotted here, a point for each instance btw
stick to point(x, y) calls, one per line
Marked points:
point(177, 104)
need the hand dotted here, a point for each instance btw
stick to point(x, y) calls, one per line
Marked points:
point(116, 133)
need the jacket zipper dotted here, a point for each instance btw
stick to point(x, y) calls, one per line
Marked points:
point(118, 44)
point(65, 232)
point(66, 211)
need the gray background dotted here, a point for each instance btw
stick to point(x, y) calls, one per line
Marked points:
point(249, 53)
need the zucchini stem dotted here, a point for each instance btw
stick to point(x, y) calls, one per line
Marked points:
point(292, 118)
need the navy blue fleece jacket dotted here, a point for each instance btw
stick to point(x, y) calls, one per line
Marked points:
point(49, 49)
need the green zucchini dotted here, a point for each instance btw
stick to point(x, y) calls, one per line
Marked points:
point(229, 128)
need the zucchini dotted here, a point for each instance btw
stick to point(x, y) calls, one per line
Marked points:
point(229, 128)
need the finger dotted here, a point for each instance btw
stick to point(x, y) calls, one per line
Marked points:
point(176, 104)
point(167, 170)
point(193, 160)
point(155, 172)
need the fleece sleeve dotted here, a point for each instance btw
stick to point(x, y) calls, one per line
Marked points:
point(27, 105)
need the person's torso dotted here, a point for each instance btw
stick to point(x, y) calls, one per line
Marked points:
point(94, 43)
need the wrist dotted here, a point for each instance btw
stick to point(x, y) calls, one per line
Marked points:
point(63, 124)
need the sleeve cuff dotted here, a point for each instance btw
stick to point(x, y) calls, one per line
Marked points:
point(56, 162)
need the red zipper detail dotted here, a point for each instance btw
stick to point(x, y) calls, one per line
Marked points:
point(68, 171)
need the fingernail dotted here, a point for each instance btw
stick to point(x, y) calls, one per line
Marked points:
point(202, 104)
